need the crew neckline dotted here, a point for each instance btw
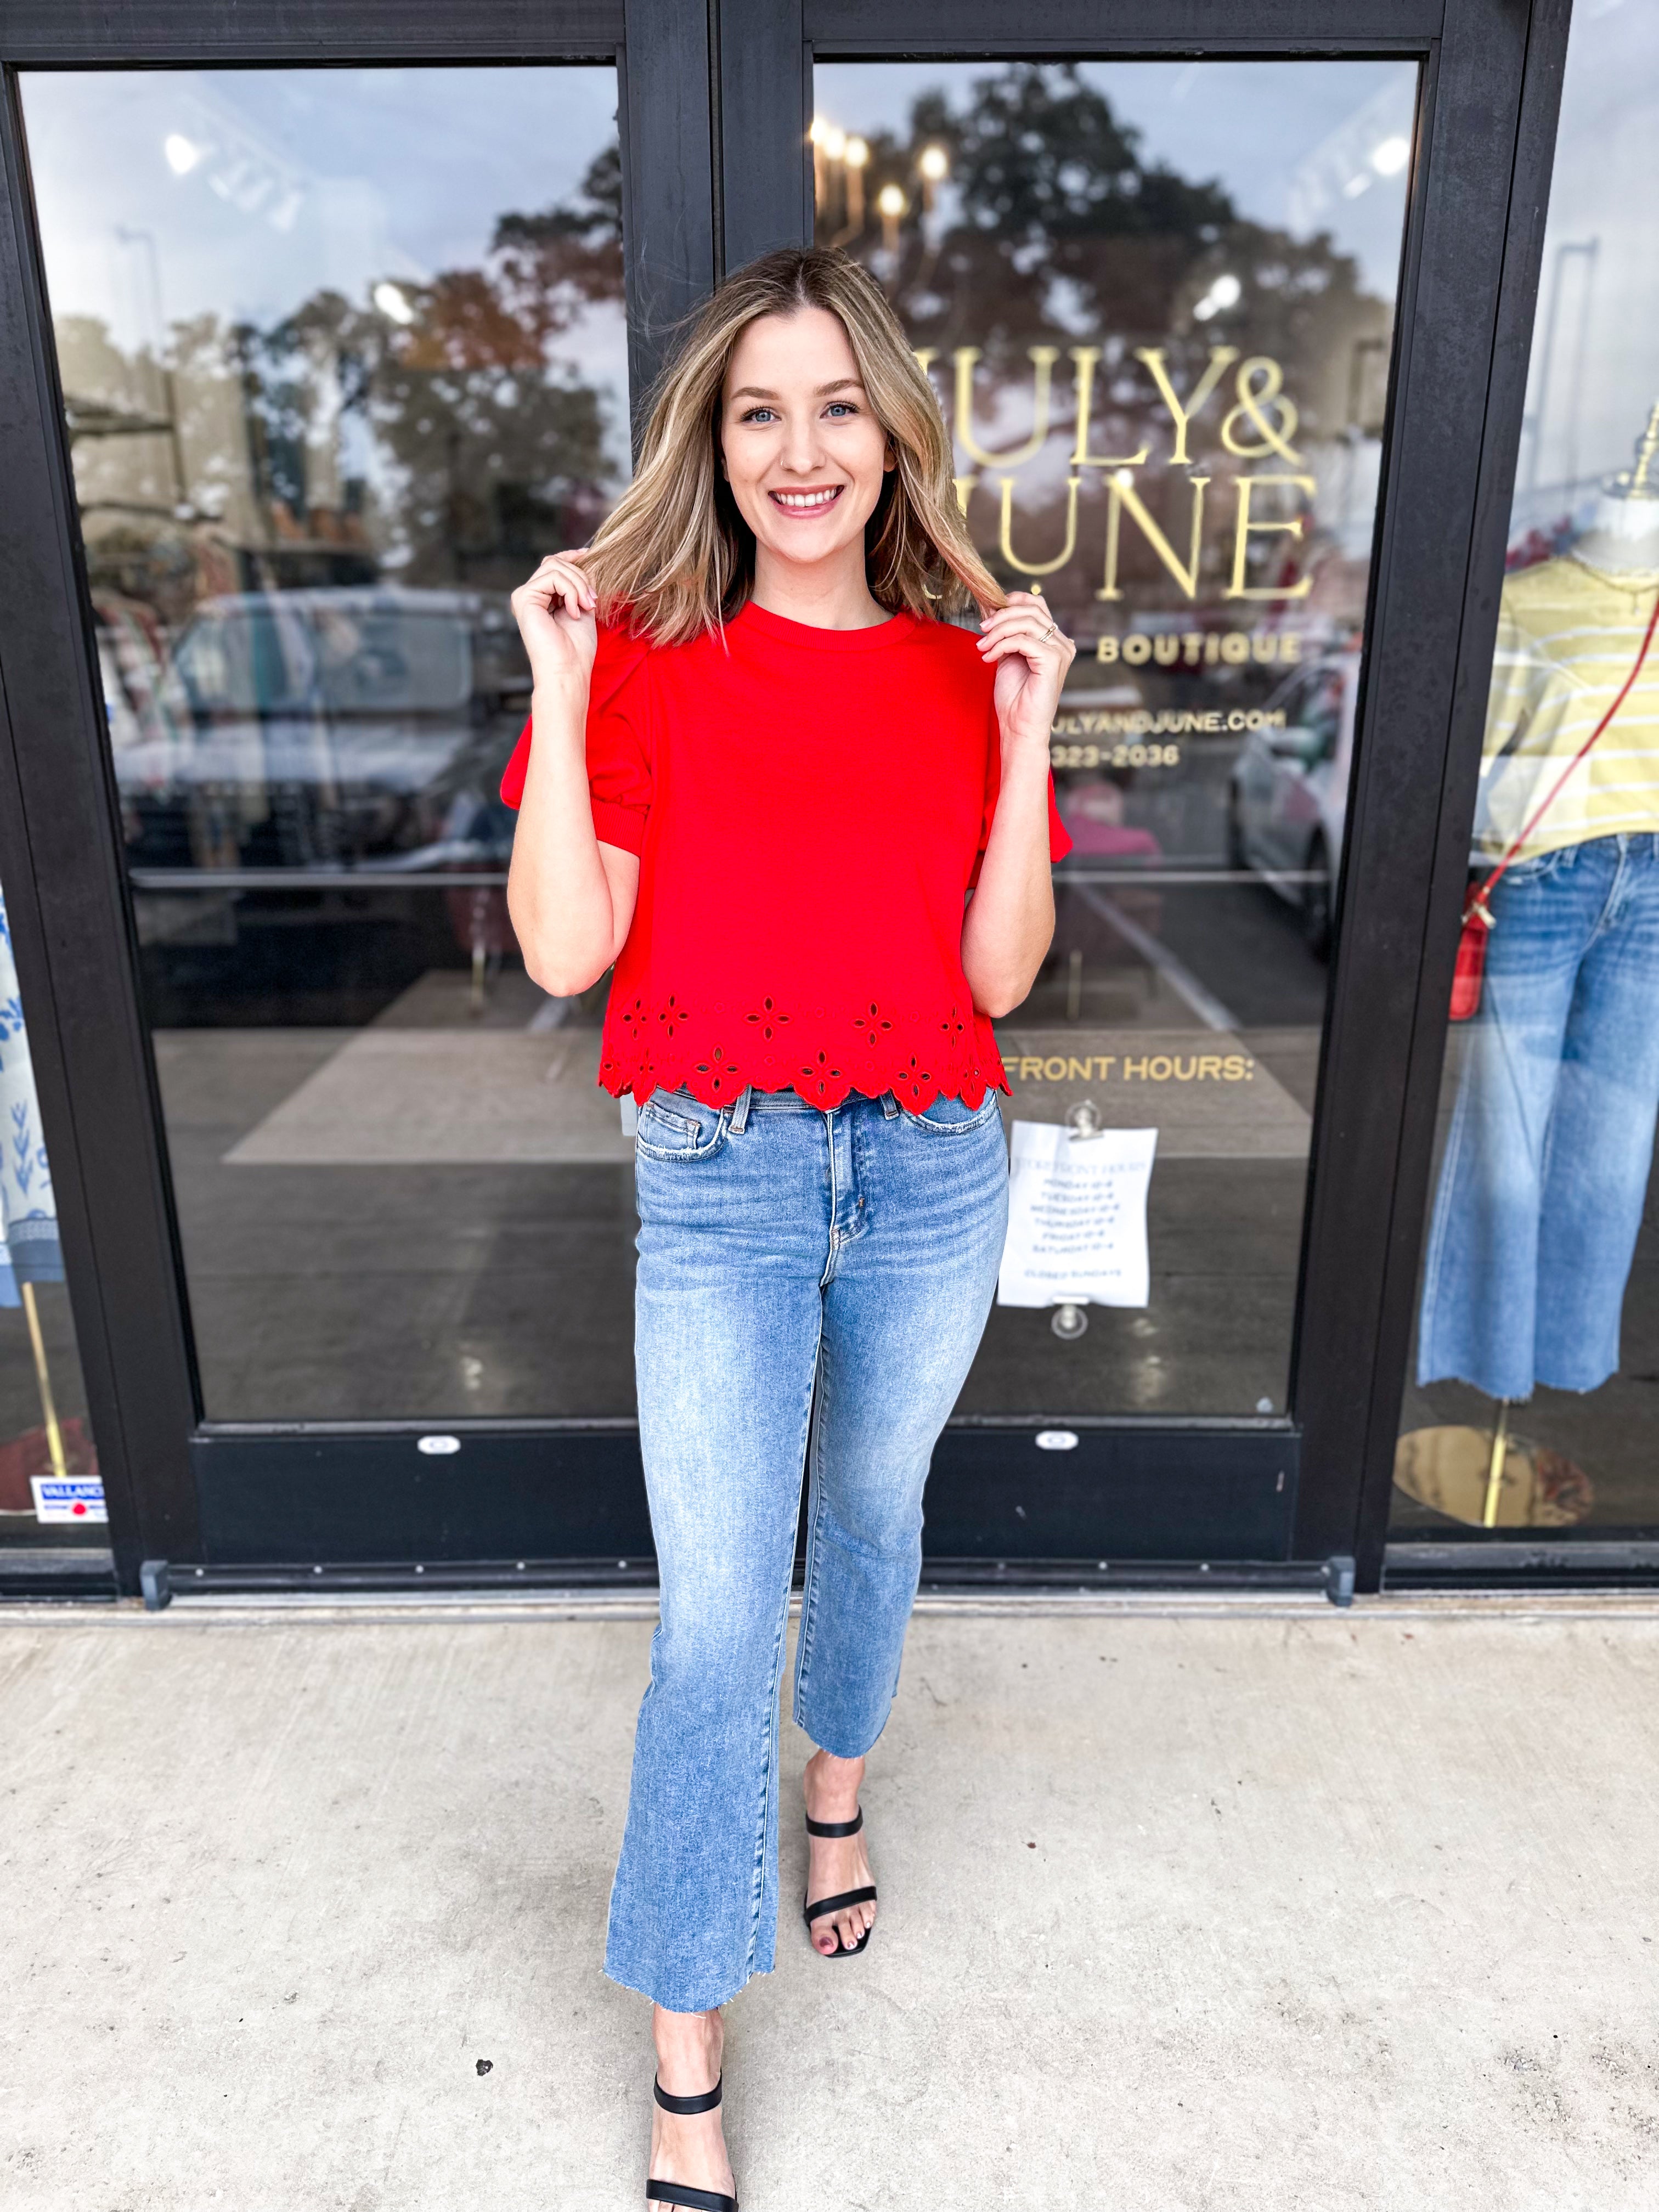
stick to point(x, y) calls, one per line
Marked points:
point(873, 638)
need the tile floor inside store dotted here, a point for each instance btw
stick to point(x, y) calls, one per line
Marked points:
point(431, 1216)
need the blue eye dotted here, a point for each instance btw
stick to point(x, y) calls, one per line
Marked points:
point(754, 414)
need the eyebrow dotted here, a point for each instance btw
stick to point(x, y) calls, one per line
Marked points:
point(819, 392)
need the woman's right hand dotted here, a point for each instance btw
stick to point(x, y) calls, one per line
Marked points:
point(555, 612)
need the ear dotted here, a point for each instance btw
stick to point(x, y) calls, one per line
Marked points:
point(890, 456)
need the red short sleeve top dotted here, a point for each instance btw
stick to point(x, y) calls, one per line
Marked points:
point(809, 807)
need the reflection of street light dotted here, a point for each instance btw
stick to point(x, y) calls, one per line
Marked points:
point(392, 302)
point(857, 157)
point(934, 164)
point(1391, 156)
point(182, 155)
point(1226, 292)
point(890, 204)
point(829, 144)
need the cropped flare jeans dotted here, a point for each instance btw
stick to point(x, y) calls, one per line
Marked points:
point(1550, 1148)
point(812, 1287)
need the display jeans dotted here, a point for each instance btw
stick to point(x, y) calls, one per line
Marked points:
point(1551, 1145)
point(812, 1287)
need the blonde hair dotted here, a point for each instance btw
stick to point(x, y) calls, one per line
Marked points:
point(674, 557)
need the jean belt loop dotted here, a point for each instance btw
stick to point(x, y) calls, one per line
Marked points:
point(740, 1110)
point(890, 1106)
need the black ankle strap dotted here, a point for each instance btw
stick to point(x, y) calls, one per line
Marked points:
point(685, 2107)
point(835, 1827)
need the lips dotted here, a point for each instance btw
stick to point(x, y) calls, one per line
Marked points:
point(815, 500)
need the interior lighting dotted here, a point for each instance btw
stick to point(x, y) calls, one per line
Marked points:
point(830, 136)
point(1391, 156)
point(858, 153)
point(182, 153)
point(392, 301)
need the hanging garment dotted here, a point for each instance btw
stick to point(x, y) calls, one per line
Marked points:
point(1568, 637)
point(29, 1250)
point(1477, 912)
point(1551, 1146)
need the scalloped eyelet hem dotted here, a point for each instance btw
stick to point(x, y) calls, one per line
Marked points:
point(665, 1046)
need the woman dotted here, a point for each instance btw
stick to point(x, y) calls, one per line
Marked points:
point(765, 776)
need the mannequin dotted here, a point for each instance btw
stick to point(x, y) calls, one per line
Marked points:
point(1546, 1163)
point(1624, 538)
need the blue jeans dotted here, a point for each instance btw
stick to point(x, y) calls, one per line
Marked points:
point(1550, 1146)
point(812, 1287)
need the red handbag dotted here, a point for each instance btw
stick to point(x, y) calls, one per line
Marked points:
point(1469, 974)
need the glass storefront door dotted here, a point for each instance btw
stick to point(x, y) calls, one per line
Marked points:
point(1156, 301)
point(343, 353)
point(1531, 1400)
point(343, 348)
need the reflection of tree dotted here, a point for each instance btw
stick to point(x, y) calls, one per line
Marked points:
point(1059, 225)
point(497, 449)
point(1053, 192)
point(1055, 227)
point(442, 443)
point(554, 265)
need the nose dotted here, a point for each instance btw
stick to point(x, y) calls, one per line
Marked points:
point(803, 451)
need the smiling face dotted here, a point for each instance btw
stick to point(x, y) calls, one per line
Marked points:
point(805, 456)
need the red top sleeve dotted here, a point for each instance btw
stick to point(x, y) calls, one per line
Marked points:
point(619, 778)
point(1060, 841)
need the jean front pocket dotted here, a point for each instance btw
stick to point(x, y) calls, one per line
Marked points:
point(949, 1117)
point(1539, 867)
point(673, 1126)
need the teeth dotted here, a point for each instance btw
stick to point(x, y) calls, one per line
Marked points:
point(803, 499)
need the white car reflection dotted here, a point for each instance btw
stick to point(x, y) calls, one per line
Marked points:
point(351, 725)
point(1288, 792)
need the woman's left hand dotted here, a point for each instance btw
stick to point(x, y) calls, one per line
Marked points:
point(1031, 655)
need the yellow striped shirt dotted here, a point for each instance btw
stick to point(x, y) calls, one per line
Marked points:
point(1567, 638)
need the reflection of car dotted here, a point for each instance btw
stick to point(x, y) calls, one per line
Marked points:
point(1288, 790)
point(339, 727)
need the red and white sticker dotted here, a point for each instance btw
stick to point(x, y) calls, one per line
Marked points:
point(74, 1498)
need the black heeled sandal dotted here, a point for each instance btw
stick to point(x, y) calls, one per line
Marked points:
point(825, 1905)
point(681, 2192)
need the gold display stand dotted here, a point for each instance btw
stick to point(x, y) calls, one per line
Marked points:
point(1492, 1478)
point(43, 1383)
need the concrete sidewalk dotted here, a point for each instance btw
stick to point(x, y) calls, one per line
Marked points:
point(1265, 1906)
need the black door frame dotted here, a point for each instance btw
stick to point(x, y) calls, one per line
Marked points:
point(208, 1496)
point(60, 855)
point(1490, 91)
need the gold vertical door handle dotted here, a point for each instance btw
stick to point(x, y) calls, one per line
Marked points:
point(43, 1379)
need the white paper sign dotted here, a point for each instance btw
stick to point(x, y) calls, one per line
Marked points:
point(1076, 1218)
